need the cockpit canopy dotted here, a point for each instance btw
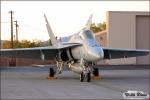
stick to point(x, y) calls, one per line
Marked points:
point(86, 34)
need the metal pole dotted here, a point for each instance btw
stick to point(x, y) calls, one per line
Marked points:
point(16, 23)
point(0, 43)
point(11, 13)
point(13, 59)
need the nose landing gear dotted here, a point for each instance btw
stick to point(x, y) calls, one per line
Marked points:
point(81, 77)
point(85, 75)
point(88, 77)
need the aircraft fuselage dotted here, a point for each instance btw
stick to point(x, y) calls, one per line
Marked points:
point(90, 50)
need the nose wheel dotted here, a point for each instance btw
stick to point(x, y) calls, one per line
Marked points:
point(88, 77)
point(81, 77)
point(85, 76)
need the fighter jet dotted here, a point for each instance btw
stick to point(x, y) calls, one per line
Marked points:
point(79, 53)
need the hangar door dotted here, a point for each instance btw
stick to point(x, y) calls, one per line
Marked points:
point(143, 37)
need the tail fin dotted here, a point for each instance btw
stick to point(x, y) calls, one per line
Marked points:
point(50, 32)
point(89, 22)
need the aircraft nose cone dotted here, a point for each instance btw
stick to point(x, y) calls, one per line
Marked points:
point(97, 54)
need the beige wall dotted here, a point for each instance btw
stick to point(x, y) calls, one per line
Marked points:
point(121, 28)
point(143, 37)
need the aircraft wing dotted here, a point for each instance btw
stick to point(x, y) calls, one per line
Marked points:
point(44, 53)
point(112, 53)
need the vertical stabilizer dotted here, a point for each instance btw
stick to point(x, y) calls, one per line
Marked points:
point(50, 32)
point(89, 22)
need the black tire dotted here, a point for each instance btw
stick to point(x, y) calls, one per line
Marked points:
point(81, 77)
point(89, 77)
point(96, 72)
point(51, 72)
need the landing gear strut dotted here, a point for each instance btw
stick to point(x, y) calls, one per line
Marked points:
point(60, 66)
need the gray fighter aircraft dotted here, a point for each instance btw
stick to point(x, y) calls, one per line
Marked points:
point(79, 53)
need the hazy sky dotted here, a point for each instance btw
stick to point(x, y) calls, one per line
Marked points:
point(65, 17)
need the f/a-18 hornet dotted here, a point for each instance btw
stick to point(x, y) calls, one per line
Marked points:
point(79, 53)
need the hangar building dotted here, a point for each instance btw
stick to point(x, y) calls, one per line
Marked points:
point(129, 30)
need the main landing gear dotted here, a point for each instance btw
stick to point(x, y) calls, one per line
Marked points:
point(96, 75)
point(51, 74)
point(59, 69)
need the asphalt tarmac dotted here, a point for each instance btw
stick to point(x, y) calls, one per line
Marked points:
point(31, 83)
